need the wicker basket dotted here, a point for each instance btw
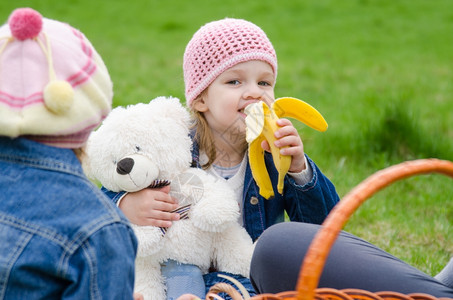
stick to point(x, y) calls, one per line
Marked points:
point(319, 249)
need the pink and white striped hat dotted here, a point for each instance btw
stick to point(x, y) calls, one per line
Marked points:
point(218, 46)
point(54, 86)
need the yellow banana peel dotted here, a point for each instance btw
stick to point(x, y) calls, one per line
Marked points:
point(261, 123)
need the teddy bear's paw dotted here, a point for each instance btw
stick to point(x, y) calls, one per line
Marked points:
point(214, 224)
point(215, 215)
point(214, 205)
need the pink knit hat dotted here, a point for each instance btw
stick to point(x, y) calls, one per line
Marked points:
point(218, 46)
point(54, 86)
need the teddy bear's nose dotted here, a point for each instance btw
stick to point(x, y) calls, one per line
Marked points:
point(125, 166)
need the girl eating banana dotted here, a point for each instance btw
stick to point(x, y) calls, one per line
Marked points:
point(228, 65)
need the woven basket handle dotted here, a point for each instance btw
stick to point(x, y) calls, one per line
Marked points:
point(319, 249)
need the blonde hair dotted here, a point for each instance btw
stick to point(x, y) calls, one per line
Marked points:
point(203, 135)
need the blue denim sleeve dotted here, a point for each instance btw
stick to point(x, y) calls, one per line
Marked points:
point(312, 201)
point(114, 196)
point(104, 265)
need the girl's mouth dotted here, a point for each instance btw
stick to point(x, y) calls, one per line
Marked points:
point(242, 110)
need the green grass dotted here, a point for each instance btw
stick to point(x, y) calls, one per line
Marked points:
point(379, 71)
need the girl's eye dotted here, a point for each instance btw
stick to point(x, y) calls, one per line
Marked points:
point(264, 83)
point(233, 82)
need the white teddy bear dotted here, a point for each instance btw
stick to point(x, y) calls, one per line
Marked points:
point(146, 145)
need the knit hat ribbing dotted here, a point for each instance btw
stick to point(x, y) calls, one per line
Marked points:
point(218, 46)
point(54, 86)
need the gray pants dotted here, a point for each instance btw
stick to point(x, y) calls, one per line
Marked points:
point(352, 263)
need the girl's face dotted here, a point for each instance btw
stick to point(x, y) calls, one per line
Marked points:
point(224, 101)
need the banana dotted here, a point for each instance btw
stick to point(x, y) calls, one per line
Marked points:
point(261, 123)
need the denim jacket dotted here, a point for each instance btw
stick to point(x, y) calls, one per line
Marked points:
point(309, 203)
point(61, 238)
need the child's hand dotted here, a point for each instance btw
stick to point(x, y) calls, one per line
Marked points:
point(287, 135)
point(150, 207)
point(138, 296)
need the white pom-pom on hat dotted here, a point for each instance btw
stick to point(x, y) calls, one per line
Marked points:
point(58, 96)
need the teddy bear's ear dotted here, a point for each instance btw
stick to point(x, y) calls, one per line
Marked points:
point(171, 107)
point(181, 111)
